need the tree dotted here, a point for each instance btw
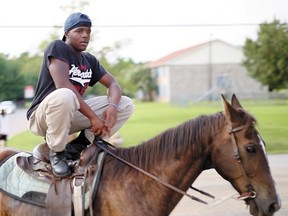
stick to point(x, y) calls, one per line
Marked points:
point(267, 57)
point(145, 82)
point(123, 70)
point(11, 81)
point(29, 67)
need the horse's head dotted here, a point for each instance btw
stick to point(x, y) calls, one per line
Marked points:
point(238, 154)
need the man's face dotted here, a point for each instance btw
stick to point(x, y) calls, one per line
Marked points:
point(79, 37)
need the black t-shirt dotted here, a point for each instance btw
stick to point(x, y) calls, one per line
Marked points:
point(84, 71)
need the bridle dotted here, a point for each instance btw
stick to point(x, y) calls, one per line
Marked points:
point(250, 193)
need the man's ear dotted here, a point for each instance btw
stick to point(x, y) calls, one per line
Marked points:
point(66, 34)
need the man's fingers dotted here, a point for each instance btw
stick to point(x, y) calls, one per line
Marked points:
point(102, 132)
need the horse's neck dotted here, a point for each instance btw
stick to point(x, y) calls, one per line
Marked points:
point(182, 168)
point(179, 170)
point(176, 156)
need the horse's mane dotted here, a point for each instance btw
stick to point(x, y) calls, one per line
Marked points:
point(193, 135)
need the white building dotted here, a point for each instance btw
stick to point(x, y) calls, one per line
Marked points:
point(203, 72)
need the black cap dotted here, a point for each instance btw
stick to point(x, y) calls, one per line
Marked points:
point(75, 20)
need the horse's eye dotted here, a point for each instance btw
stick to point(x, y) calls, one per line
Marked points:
point(251, 149)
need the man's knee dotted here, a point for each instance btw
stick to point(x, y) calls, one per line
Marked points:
point(126, 104)
point(65, 97)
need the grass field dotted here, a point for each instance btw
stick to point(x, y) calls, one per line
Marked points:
point(150, 119)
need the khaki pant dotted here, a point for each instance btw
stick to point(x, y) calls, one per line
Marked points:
point(57, 116)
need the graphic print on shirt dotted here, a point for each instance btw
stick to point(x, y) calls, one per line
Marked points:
point(80, 78)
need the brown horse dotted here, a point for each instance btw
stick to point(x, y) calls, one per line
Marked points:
point(226, 141)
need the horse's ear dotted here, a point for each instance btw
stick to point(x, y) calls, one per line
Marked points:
point(229, 111)
point(235, 102)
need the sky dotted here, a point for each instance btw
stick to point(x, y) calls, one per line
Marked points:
point(147, 29)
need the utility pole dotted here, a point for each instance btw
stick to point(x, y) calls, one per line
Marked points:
point(210, 80)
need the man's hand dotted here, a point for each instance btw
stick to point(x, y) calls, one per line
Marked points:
point(98, 127)
point(109, 117)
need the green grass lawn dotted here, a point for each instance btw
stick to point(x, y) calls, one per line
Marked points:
point(150, 119)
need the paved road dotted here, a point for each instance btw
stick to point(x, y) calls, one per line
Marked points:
point(210, 181)
point(17, 122)
point(225, 204)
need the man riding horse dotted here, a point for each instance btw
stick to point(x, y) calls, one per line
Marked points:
point(58, 109)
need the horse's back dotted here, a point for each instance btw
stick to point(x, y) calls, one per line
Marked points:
point(6, 153)
point(9, 205)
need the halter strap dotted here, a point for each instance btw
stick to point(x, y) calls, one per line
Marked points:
point(236, 129)
point(231, 131)
point(251, 193)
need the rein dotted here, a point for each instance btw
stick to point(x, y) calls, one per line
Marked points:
point(101, 143)
point(250, 193)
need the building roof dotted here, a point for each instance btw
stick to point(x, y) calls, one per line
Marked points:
point(179, 53)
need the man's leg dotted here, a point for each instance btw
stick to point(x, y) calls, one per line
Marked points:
point(98, 104)
point(81, 123)
point(52, 119)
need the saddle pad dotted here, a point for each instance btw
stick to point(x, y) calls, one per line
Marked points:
point(16, 182)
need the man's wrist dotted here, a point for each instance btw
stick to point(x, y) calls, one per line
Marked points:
point(114, 105)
